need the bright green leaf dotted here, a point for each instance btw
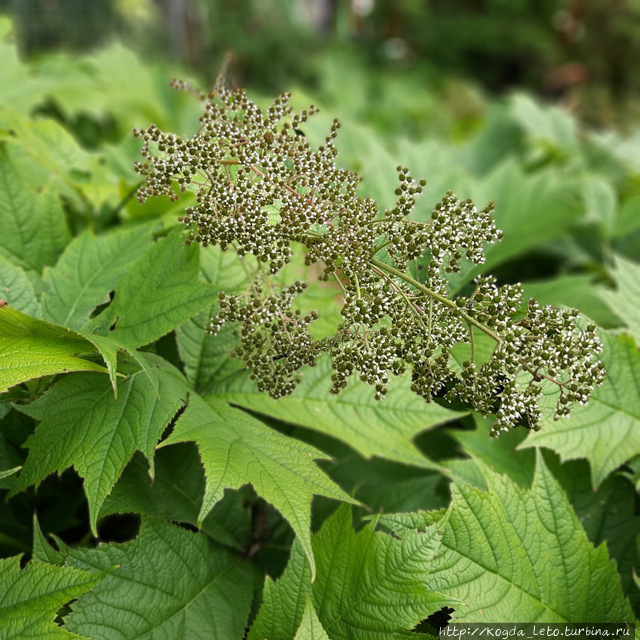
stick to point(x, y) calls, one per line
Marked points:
point(607, 430)
point(33, 230)
point(159, 292)
point(83, 426)
point(600, 201)
point(625, 300)
point(87, 271)
point(42, 550)
point(16, 289)
point(516, 555)
point(31, 348)
point(310, 628)
point(169, 583)
point(383, 429)
point(236, 448)
point(30, 598)
point(369, 585)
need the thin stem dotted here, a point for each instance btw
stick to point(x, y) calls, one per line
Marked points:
point(440, 298)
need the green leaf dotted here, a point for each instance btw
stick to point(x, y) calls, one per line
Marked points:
point(87, 271)
point(310, 627)
point(16, 289)
point(159, 292)
point(174, 493)
point(33, 231)
point(83, 426)
point(170, 583)
point(600, 201)
point(383, 429)
point(31, 348)
point(607, 430)
point(625, 300)
point(236, 449)
point(30, 598)
point(368, 585)
point(42, 550)
point(515, 555)
point(206, 357)
point(284, 601)
point(608, 515)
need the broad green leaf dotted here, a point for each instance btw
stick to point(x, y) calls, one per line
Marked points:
point(575, 291)
point(369, 585)
point(310, 628)
point(607, 515)
point(600, 201)
point(206, 357)
point(87, 271)
point(42, 550)
point(33, 230)
point(83, 426)
point(625, 300)
point(174, 493)
point(383, 429)
point(30, 598)
point(607, 430)
point(31, 348)
point(549, 127)
point(516, 555)
point(284, 601)
point(169, 583)
point(159, 292)
point(16, 289)
point(236, 449)
point(499, 454)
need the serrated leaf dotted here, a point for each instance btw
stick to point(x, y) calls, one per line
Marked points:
point(16, 289)
point(159, 292)
point(31, 348)
point(170, 583)
point(310, 628)
point(42, 550)
point(83, 426)
point(284, 601)
point(368, 585)
point(33, 230)
point(383, 429)
point(87, 271)
point(625, 300)
point(175, 492)
point(235, 449)
point(606, 515)
point(515, 555)
point(607, 430)
point(206, 357)
point(30, 598)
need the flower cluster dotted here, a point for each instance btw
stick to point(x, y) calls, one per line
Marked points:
point(261, 188)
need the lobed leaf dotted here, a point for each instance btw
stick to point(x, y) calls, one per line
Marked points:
point(31, 597)
point(90, 267)
point(607, 430)
point(368, 585)
point(169, 583)
point(516, 555)
point(384, 429)
point(83, 426)
point(625, 300)
point(159, 292)
point(31, 348)
point(236, 449)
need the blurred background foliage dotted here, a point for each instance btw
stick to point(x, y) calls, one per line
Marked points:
point(583, 53)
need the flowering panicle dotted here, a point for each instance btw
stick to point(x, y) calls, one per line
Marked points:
point(260, 187)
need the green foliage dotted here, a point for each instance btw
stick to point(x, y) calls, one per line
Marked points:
point(112, 380)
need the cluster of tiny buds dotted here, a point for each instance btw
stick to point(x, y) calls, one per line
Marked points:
point(262, 189)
